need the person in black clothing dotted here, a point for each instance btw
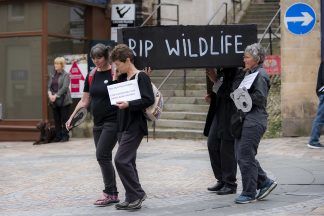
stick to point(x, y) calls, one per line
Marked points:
point(132, 126)
point(319, 119)
point(60, 99)
point(217, 128)
point(104, 119)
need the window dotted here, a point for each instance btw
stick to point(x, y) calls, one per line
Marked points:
point(21, 80)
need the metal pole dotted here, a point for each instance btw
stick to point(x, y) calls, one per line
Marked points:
point(225, 13)
point(233, 11)
point(185, 82)
point(270, 40)
point(159, 14)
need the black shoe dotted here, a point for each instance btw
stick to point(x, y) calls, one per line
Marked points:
point(122, 206)
point(137, 204)
point(57, 139)
point(65, 139)
point(216, 187)
point(226, 190)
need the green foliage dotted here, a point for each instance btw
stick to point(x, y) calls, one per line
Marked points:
point(274, 120)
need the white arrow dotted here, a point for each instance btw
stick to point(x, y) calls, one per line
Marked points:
point(306, 19)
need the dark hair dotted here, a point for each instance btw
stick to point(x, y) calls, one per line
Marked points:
point(100, 50)
point(121, 52)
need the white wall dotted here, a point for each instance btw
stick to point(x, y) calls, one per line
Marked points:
point(194, 12)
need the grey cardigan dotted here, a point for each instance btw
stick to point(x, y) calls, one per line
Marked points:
point(63, 87)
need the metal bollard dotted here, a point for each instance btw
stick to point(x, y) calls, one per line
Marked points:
point(0, 111)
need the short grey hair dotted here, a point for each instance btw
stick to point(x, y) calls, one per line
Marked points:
point(256, 51)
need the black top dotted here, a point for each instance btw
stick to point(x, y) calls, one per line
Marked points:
point(222, 105)
point(320, 80)
point(132, 118)
point(54, 84)
point(101, 108)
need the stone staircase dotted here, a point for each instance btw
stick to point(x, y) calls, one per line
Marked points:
point(184, 111)
point(261, 14)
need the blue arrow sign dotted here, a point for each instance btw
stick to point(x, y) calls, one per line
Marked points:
point(300, 19)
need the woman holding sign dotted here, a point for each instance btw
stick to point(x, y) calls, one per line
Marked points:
point(254, 126)
point(104, 119)
point(132, 126)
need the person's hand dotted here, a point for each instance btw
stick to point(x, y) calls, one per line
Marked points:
point(148, 71)
point(68, 124)
point(212, 74)
point(122, 104)
point(208, 98)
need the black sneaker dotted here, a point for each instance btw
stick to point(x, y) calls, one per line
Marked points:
point(265, 191)
point(137, 204)
point(122, 206)
point(315, 146)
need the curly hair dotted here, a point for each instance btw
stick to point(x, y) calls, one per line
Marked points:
point(121, 52)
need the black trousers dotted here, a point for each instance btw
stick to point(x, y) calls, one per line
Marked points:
point(61, 115)
point(105, 138)
point(222, 157)
point(125, 161)
point(253, 176)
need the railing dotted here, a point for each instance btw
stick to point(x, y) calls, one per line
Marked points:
point(234, 7)
point(269, 31)
point(217, 11)
point(157, 8)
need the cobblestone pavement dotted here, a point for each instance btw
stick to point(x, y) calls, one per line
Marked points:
point(63, 179)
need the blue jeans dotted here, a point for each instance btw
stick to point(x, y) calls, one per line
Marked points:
point(318, 122)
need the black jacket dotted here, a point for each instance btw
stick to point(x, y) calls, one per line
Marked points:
point(222, 106)
point(132, 118)
point(320, 79)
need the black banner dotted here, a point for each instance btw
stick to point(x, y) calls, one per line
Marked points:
point(171, 47)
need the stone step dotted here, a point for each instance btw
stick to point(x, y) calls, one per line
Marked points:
point(179, 73)
point(180, 93)
point(187, 100)
point(190, 86)
point(179, 80)
point(196, 116)
point(185, 107)
point(181, 124)
point(177, 134)
point(272, 5)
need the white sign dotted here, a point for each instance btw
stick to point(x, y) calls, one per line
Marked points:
point(123, 12)
point(77, 66)
point(248, 80)
point(124, 91)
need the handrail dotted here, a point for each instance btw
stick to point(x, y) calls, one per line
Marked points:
point(265, 31)
point(155, 10)
point(219, 8)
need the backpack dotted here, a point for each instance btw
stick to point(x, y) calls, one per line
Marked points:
point(153, 112)
point(91, 75)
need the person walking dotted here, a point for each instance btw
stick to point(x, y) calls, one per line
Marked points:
point(104, 115)
point(254, 126)
point(132, 125)
point(217, 128)
point(319, 118)
point(60, 98)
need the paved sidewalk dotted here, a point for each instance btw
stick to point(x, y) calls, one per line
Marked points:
point(63, 179)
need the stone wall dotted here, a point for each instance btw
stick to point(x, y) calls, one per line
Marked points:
point(300, 57)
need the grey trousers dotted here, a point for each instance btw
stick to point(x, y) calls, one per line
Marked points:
point(125, 161)
point(253, 176)
point(105, 138)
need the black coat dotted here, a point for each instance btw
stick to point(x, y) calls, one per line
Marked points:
point(222, 105)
